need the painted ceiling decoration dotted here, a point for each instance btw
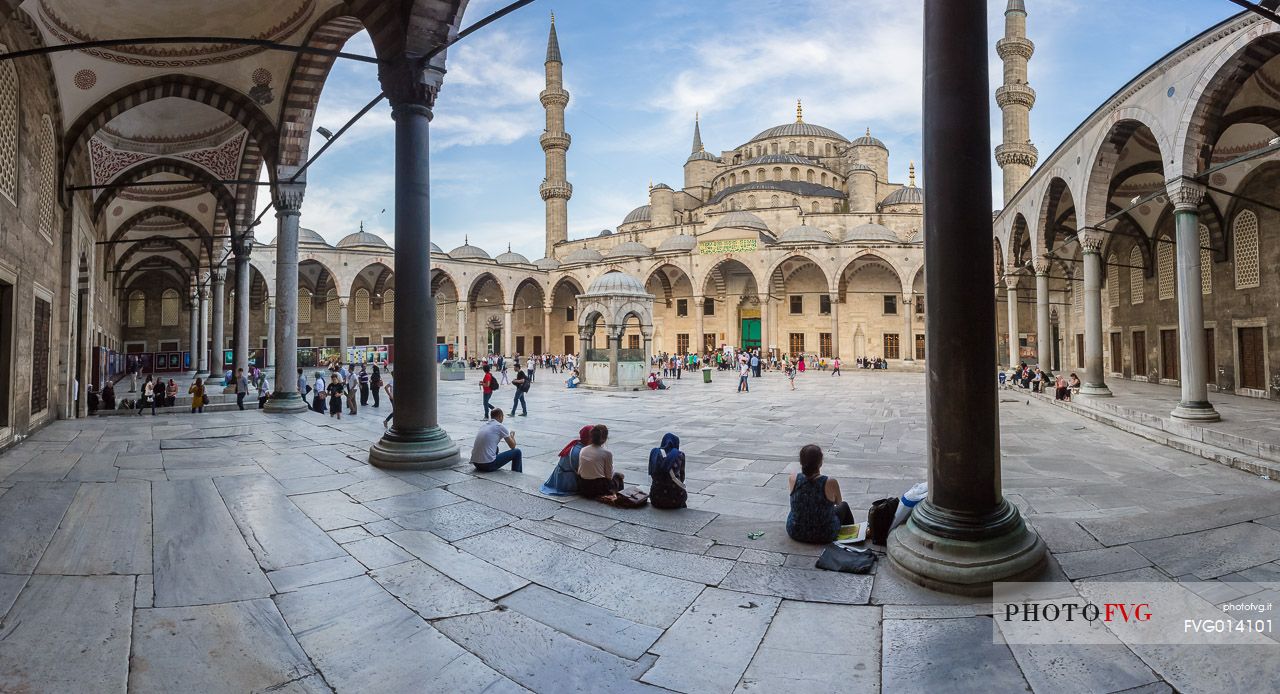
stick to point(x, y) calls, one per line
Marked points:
point(222, 161)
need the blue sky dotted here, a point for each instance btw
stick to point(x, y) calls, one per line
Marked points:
point(637, 72)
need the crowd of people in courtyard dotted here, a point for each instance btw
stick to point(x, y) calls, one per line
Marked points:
point(1037, 380)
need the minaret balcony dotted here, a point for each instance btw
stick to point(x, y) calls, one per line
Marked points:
point(1019, 94)
point(1023, 153)
point(1015, 45)
point(551, 141)
point(561, 190)
point(554, 97)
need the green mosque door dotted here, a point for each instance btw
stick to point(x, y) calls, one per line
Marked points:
point(751, 333)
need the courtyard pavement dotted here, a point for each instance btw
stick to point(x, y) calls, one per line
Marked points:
point(239, 552)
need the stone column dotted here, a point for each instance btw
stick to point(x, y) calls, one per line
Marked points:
point(546, 330)
point(765, 316)
point(1011, 298)
point(908, 340)
point(507, 338)
point(966, 535)
point(699, 326)
point(1044, 355)
point(240, 348)
point(218, 298)
point(1194, 405)
point(460, 350)
point(835, 324)
point(285, 397)
point(1094, 383)
point(415, 439)
point(614, 335)
point(202, 341)
point(343, 302)
point(269, 354)
point(194, 320)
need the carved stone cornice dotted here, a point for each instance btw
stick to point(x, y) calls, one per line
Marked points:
point(1015, 46)
point(1023, 153)
point(1185, 194)
point(1020, 94)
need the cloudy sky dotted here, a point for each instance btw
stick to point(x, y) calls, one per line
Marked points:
point(637, 72)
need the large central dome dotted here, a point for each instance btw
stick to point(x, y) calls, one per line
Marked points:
point(799, 130)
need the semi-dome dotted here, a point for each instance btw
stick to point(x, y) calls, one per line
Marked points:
point(310, 236)
point(907, 195)
point(805, 234)
point(799, 130)
point(680, 243)
point(362, 239)
point(741, 220)
point(779, 159)
point(871, 232)
point(869, 141)
point(546, 263)
point(617, 283)
point(630, 249)
point(510, 257)
point(435, 248)
point(468, 252)
point(583, 255)
point(643, 213)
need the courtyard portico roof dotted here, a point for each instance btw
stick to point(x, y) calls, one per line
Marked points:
point(583, 255)
point(741, 220)
point(363, 239)
point(467, 251)
point(678, 243)
point(804, 234)
point(310, 236)
point(511, 257)
point(630, 249)
point(871, 232)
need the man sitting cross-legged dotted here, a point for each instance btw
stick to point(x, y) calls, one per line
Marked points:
point(484, 453)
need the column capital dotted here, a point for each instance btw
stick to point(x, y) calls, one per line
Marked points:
point(343, 301)
point(287, 198)
point(1185, 194)
point(204, 293)
point(218, 275)
point(409, 85)
point(1090, 242)
point(1011, 281)
point(1041, 265)
point(242, 244)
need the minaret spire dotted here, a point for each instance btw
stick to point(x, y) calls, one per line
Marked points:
point(799, 112)
point(697, 134)
point(1016, 155)
point(911, 175)
point(555, 188)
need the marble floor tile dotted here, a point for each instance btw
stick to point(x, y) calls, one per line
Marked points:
point(710, 646)
point(107, 530)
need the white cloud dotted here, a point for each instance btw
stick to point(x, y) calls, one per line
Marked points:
point(490, 93)
point(334, 212)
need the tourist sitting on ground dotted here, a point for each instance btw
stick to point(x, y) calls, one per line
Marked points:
point(666, 470)
point(573, 380)
point(1073, 385)
point(109, 396)
point(595, 466)
point(1037, 381)
point(564, 478)
point(484, 452)
point(817, 510)
point(1061, 391)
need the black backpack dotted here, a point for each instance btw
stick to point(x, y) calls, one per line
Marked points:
point(880, 517)
point(493, 384)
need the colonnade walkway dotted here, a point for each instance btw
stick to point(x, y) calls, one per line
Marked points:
point(237, 551)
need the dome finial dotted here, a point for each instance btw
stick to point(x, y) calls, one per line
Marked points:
point(466, 240)
point(362, 226)
point(508, 246)
point(868, 131)
point(553, 16)
point(911, 175)
point(799, 112)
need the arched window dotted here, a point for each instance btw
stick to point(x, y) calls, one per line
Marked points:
point(808, 175)
point(1136, 281)
point(809, 148)
point(389, 306)
point(1245, 241)
point(751, 202)
point(1113, 281)
point(304, 305)
point(773, 148)
point(827, 149)
point(332, 310)
point(759, 175)
point(1166, 266)
point(733, 179)
point(777, 173)
point(835, 207)
point(170, 306)
point(45, 192)
point(1206, 262)
point(773, 201)
point(1077, 298)
point(137, 317)
point(733, 204)
point(824, 179)
point(361, 303)
point(8, 129)
point(795, 174)
point(814, 206)
point(791, 147)
point(795, 202)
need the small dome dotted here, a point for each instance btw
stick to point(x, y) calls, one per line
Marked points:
point(779, 159)
point(660, 186)
point(617, 283)
point(680, 243)
point(799, 130)
point(605, 232)
point(583, 255)
point(363, 239)
point(630, 249)
point(309, 236)
point(871, 232)
point(907, 195)
point(741, 220)
point(642, 213)
point(546, 263)
point(468, 252)
point(509, 258)
point(868, 141)
point(917, 237)
point(435, 248)
point(703, 156)
point(804, 234)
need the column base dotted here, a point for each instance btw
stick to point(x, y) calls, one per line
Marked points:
point(1095, 391)
point(285, 403)
point(1013, 552)
point(1195, 412)
point(417, 449)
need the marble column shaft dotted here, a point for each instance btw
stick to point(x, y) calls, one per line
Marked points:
point(240, 346)
point(1094, 382)
point(194, 320)
point(202, 341)
point(285, 396)
point(835, 324)
point(342, 329)
point(218, 301)
point(546, 330)
point(697, 345)
point(460, 350)
point(269, 354)
point(1194, 404)
point(1043, 356)
point(908, 339)
point(507, 338)
point(1011, 299)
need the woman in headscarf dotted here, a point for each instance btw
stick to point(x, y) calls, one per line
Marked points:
point(666, 468)
point(564, 478)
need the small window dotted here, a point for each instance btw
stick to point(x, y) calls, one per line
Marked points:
point(304, 342)
point(891, 346)
point(824, 304)
point(797, 304)
point(682, 343)
point(682, 307)
point(633, 342)
point(332, 342)
point(709, 306)
point(824, 345)
point(796, 342)
point(170, 305)
point(890, 306)
point(568, 313)
point(1245, 236)
point(1165, 268)
point(919, 304)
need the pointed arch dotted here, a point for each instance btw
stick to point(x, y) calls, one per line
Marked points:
point(154, 211)
point(224, 197)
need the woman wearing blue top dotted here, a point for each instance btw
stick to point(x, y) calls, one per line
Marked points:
point(564, 478)
point(817, 511)
point(666, 468)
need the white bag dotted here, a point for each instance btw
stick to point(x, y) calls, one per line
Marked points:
point(908, 501)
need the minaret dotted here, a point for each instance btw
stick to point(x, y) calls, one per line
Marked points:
point(555, 188)
point(1016, 156)
point(697, 136)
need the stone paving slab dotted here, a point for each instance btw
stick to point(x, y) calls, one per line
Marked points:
point(456, 521)
point(1095, 562)
point(234, 647)
point(377, 552)
point(332, 510)
point(1247, 544)
point(710, 646)
point(412, 501)
point(956, 656)
point(1191, 518)
point(106, 530)
point(817, 648)
point(68, 634)
point(555, 531)
point(484, 578)
point(276, 531)
point(29, 514)
point(686, 521)
point(324, 571)
point(800, 584)
point(500, 496)
point(583, 621)
point(689, 567)
point(428, 592)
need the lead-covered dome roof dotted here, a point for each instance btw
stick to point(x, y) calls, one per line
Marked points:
point(868, 141)
point(871, 232)
point(643, 213)
point(799, 130)
point(804, 234)
point(468, 252)
point(583, 255)
point(680, 243)
point(907, 195)
point(779, 159)
point(511, 257)
point(617, 283)
point(741, 220)
point(362, 239)
point(306, 235)
point(630, 249)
